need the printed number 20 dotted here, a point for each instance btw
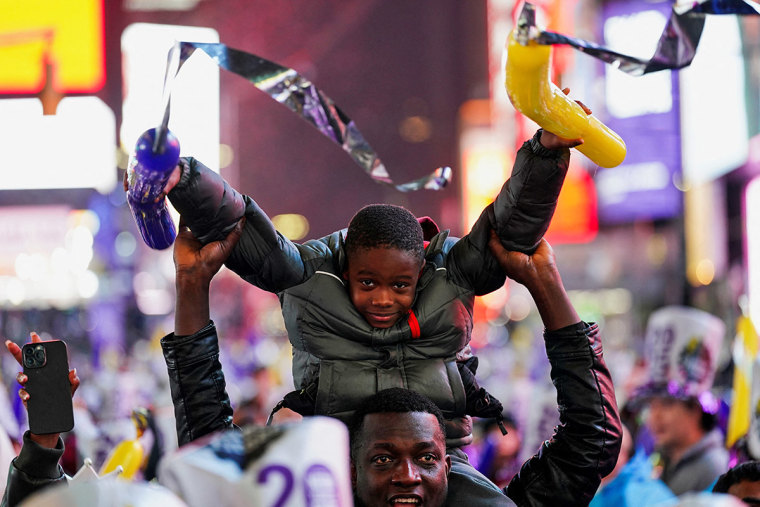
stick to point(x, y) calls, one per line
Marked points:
point(319, 485)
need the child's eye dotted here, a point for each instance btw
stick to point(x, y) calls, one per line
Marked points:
point(400, 285)
point(366, 283)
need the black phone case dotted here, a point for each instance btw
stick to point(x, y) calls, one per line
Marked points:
point(50, 408)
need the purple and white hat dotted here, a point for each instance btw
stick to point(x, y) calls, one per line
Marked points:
point(681, 349)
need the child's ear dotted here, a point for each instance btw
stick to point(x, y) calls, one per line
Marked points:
point(422, 266)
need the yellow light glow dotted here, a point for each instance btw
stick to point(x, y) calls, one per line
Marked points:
point(704, 233)
point(485, 165)
point(705, 272)
point(415, 129)
point(485, 169)
point(226, 155)
point(291, 225)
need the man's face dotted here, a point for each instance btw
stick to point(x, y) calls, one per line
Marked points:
point(401, 460)
point(667, 420)
point(382, 283)
point(747, 491)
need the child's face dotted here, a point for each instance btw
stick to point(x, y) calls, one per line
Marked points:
point(382, 282)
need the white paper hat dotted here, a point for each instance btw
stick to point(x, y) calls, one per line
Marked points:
point(681, 347)
point(305, 463)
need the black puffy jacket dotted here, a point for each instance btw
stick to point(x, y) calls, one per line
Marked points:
point(336, 351)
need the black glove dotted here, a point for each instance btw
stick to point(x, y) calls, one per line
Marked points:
point(480, 403)
point(301, 402)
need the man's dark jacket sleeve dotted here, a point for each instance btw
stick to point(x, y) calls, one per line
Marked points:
point(568, 468)
point(196, 380)
point(34, 469)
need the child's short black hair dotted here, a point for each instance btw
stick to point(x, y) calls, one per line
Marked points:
point(385, 226)
point(748, 471)
point(394, 400)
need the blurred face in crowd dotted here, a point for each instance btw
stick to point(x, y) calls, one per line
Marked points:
point(672, 422)
point(400, 460)
point(747, 491)
point(507, 446)
point(382, 283)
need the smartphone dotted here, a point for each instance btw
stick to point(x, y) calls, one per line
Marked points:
point(46, 366)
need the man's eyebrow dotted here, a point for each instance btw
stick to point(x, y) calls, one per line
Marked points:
point(425, 444)
point(416, 447)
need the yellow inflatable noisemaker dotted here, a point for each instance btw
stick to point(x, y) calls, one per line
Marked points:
point(533, 94)
point(129, 454)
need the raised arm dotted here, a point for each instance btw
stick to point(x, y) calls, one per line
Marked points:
point(37, 465)
point(211, 208)
point(539, 274)
point(520, 214)
point(569, 467)
point(196, 380)
point(523, 210)
point(195, 266)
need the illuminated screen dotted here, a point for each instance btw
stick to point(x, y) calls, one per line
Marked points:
point(644, 111)
point(74, 148)
point(68, 34)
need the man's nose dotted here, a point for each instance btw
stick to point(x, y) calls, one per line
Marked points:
point(406, 473)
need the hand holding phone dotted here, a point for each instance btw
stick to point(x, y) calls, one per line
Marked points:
point(47, 387)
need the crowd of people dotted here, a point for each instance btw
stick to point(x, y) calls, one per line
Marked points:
point(379, 317)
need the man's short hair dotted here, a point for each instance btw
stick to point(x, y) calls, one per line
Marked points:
point(385, 226)
point(395, 400)
point(708, 419)
point(748, 471)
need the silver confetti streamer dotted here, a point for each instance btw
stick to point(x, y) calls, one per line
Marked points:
point(298, 94)
point(675, 49)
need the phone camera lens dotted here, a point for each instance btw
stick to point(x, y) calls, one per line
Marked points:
point(28, 361)
point(39, 355)
point(28, 351)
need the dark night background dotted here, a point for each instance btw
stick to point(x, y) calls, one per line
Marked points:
point(380, 61)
